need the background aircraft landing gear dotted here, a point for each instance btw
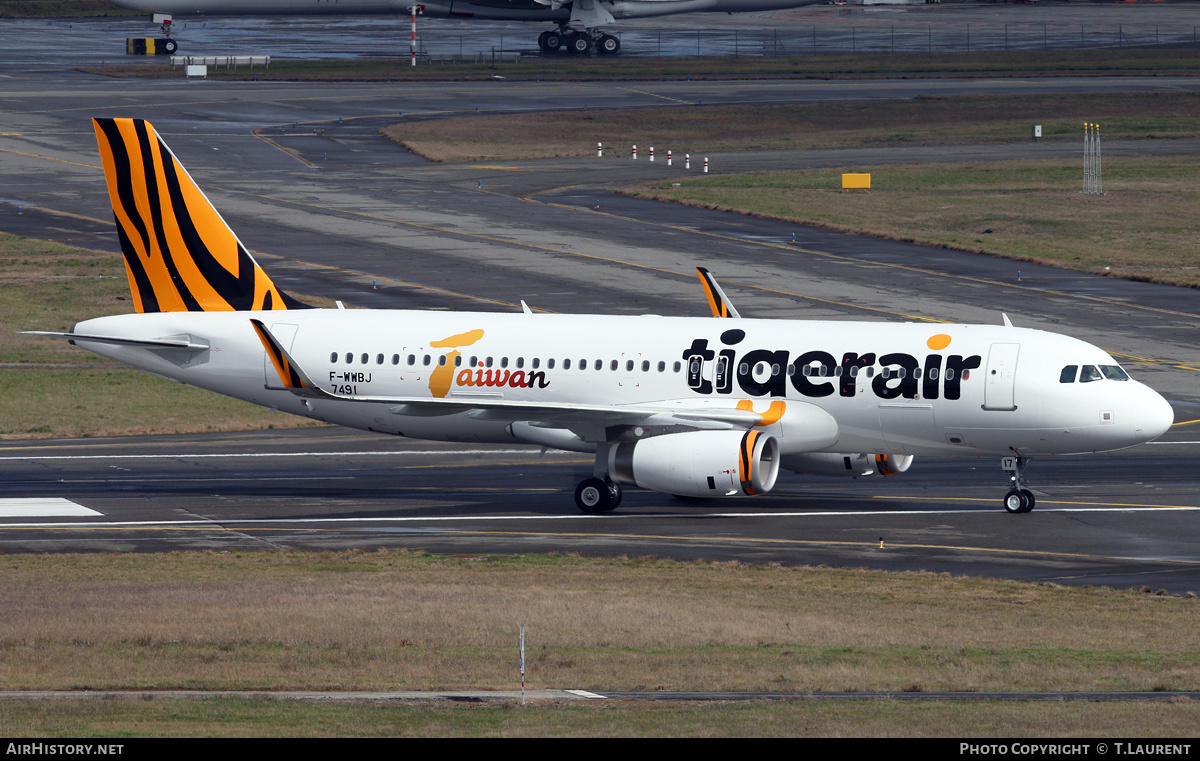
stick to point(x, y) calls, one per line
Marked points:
point(597, 495)
point(1019, 499)
point(578, 42)
point(551, 41)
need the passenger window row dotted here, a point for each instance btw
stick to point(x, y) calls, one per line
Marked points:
point(820, 371)
point(425, 360)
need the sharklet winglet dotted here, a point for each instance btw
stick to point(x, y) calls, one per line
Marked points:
point(718, 302)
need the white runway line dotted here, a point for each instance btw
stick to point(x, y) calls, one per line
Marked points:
point(42, 507)
point(607, 517)
point(586, 694)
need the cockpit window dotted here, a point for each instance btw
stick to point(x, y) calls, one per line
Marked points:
point(1068, 374)
point(1114, 372)
point(1089, 373)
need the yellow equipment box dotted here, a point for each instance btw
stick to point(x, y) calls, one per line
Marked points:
point(856, 182)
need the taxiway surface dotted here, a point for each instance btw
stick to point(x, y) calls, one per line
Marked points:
point(331, 208)
point(1124, 519)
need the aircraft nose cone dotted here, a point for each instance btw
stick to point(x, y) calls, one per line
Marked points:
point(1154, 416)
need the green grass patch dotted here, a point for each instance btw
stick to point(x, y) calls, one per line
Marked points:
point(1143, 228)
point(701, 129)
point(40, 402)
point(564, 67)
point(62, 9)
point(234, 717)
point(49, 286)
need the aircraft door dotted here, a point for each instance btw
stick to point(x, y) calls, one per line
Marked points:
point(1000, 378)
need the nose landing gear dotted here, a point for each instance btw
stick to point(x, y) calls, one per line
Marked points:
point(1019, 499)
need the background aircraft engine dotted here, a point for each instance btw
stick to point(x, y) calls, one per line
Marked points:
point(699, 463)
point(847, 465)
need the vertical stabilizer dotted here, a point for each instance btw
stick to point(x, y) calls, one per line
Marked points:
point(179, 253)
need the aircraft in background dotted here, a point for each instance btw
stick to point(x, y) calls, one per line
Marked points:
point(578, 21)
point(690, 406)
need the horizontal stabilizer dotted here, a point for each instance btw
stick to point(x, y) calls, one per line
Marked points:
point(146, 343)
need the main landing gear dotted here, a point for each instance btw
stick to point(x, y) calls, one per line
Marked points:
point(1019, 499)
point(578, 42)
point(597, 495)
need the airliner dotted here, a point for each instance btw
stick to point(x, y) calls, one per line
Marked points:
point(689, 406)
point(577, 22)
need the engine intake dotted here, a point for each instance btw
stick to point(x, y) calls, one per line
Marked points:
point(699, 463)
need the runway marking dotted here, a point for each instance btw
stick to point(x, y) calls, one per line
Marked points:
point(655, 95)
point(510, 242)
point(385, 278)
point(288, 151)
point(42, 507)
point(566, 252)
point(520, 244)
point(49, 158)
point(70, 214)
point(209, 525)
point(839, 257)
point(1089, 507)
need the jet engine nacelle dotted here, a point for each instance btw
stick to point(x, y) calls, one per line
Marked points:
point(699, 463)
point(847, 465)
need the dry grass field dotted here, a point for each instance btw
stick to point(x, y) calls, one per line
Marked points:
point(395, 620)
point(1143, 228)
point(699, 128)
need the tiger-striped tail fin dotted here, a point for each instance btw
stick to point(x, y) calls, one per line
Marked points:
point(180, 255)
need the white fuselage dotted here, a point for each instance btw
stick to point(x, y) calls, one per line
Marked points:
point(515, 10)
point(964, 390)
